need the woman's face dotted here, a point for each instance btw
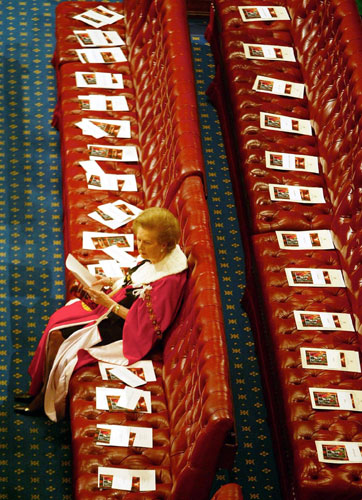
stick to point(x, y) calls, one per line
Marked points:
point(148, 246)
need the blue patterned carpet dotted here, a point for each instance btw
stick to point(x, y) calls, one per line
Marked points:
point(35, 455)
point(254, 467)
point(35, 460)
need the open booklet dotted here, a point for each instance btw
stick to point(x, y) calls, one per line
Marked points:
point(320, 239)
point(339, 452)
point(296, 194)
point(101, 55)
point(288, 161)
point(335, 399)
point(99, 16)
point(84, 279)
point(126, 479)
point(127, 399)
point(104, 152)
point(321, 320)
point(330, 359)
point(105, 128)
point(263, 13)
point(98, 79)
point(143, 369)
point(103, 102)
point(283, 123)
point(80, 272)
point(278, 87)
point(307, 277)
point(122, 435)
point(269, 52)
point(98, 179)
point(98, 38)
point(116, 214)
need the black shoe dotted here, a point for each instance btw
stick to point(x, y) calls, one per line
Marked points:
point(23, 397)
point(24, 409)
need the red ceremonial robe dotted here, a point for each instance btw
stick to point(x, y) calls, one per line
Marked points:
point(148, 318)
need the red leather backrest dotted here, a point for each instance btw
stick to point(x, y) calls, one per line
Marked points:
point(162, 72)
point(195, 370)
point(325, 35)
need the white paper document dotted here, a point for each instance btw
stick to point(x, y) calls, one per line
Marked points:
point(289, 124)
point(103, 152)
point(109, 268)
point(100, 241)
point(135, 400)
point(103, 103)
point(112, 182)
point(314, 277)
point(267, 13)
point(143, 369)
point(269, 52)
point(339, 452)
point(98, 38)
point(335, 399)
point(313, 320)
point(278, 87)
point(330, 359)
point(124, 259)
point(126, 376)
point(296, 194)
point(101, 55)
point(305, 240)
point(99, 16)
point(126, 399)
point(287, 161)
point(115, 215)
point(107, 397)
point(98, 179)
point(126, 479)
point(105, 128)
point(122, 435)
point(80, 272)
point(100, 80)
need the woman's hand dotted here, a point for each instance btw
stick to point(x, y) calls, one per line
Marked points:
point(103, 281)
point(99, 297)
point(102, 299)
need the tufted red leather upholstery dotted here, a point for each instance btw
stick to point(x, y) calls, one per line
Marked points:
point(191, 405)
point(192, 415)
point(326, 36)
point(229, 491)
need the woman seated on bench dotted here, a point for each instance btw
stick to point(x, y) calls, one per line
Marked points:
point(124, 325)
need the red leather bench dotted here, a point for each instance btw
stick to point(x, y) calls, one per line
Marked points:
point(229, 491)
point(326, 36)
point(192, 414)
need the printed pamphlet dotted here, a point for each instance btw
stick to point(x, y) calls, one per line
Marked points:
point(305, 240)
point(313, 320)
point(339, 452)
point(330, 359)
point(287, 161)
point(296, 194)
point(269, 52)
point(272, 13)
point(279, 87)
point(99, 16)
point(289, 124)
point(314, 277)
point(126, 479)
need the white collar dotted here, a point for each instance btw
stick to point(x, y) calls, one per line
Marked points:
point(173, 263)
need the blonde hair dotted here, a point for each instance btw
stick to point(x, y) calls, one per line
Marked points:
point(163, 222)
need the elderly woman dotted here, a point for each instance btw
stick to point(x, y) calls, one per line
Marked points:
point(125, 324)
